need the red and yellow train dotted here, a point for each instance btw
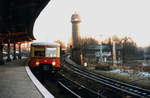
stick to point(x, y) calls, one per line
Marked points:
point(45, 56)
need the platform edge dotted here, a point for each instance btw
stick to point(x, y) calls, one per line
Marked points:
point(36, 82)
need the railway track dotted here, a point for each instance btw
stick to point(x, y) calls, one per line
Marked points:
point(73, 89)
point(78, 90)
point(120, 86)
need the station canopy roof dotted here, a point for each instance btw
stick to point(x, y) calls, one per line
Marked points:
point(17, 19)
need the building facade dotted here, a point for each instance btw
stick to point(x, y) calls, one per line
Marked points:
point(101, 54)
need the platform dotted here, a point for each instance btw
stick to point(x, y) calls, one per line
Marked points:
point(15, 82)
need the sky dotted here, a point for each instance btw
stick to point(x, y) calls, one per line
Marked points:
point(100, 19)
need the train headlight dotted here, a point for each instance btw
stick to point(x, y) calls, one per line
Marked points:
point(53, 63)
point(37, 63)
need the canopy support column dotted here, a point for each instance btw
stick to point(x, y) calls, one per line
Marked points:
point(14, 51)
point(8, 52)
point(1, 54)
point(19, 56)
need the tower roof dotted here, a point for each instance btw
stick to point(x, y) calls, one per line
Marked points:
point(75, 17)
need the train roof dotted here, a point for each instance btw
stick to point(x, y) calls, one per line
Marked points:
point(44, 44)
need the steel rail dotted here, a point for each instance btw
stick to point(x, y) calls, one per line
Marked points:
point(127, 88)
point(65, 82)
point(69, 89)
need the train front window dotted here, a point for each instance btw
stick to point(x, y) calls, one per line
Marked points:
point(51, 52)
point(39, 53)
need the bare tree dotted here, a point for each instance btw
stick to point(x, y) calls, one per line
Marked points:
point(129, 48)
point(88, 41)
point(62, 45)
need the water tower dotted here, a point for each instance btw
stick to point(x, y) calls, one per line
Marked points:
point(76, 53)
point(75, 20)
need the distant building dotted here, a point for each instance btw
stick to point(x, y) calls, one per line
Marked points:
point(75, 20)
point(101, 53)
